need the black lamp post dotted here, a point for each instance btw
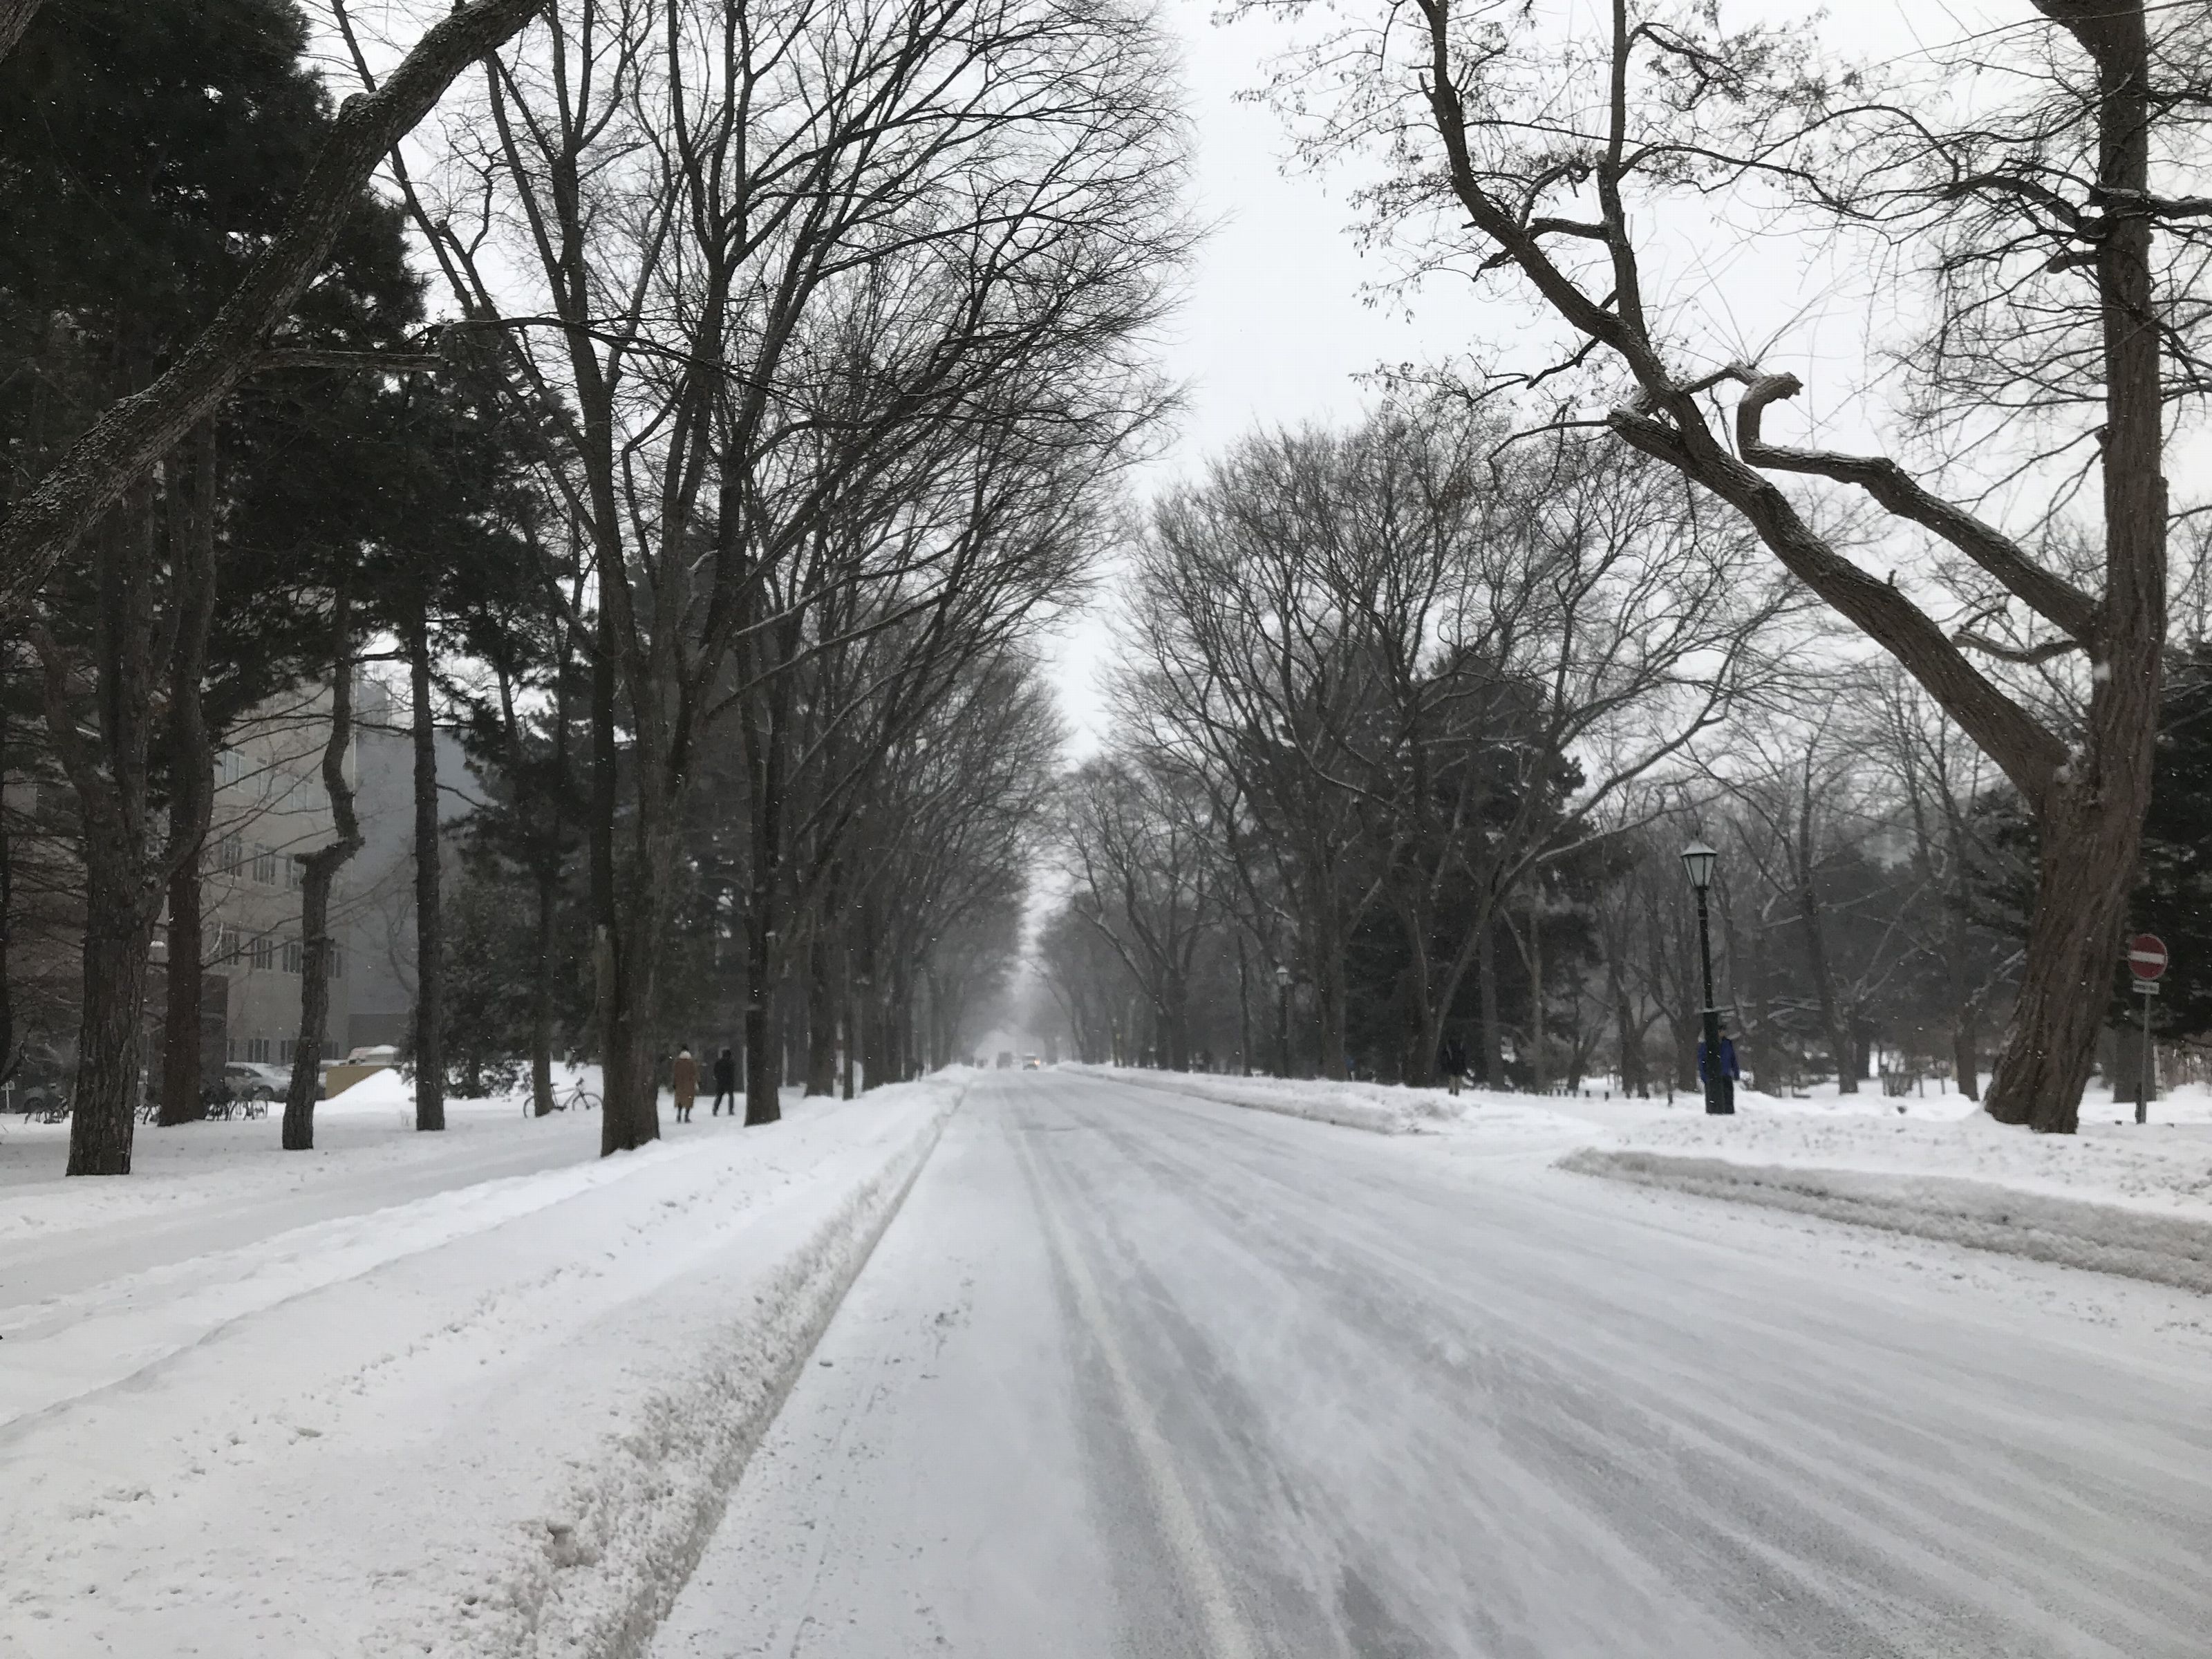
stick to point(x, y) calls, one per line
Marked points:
point(1282, 1020)
point(1699, 859)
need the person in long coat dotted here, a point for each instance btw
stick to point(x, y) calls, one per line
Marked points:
point(684, 1074)
point(726, 1083)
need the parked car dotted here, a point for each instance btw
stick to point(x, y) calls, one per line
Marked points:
point(249, 1079)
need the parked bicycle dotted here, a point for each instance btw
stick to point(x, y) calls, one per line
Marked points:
point(575, 1095)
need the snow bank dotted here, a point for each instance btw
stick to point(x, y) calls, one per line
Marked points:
point(2117, 1198)
point(1379, 1107)
point(2167, 1249)
point(1371, 1106)
point(2163, 1169)
point(494, 1420)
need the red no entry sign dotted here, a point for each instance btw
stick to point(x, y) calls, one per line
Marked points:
point(2146, 956)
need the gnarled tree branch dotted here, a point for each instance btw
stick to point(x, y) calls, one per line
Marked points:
point(2051, 597)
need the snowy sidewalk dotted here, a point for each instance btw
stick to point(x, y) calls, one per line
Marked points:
point(494, 1419)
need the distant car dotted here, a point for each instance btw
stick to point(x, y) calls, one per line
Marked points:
point(1031, 1063)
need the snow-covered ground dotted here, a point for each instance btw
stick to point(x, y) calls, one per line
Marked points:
point(2117, 1196)
point(1135, 1372)
point(1383, 1108)
point(407, 1393)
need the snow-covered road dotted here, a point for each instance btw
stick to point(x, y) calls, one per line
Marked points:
point(1132, 1374)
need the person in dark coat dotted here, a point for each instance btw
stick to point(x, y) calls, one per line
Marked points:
point(1728, 1072)
point(726, 1084)
point(684, 1075)
point(1451, 1061)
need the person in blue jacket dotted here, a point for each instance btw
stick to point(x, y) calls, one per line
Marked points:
point(1728, 1070)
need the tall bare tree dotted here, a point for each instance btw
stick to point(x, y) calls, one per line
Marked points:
point(2066, 254)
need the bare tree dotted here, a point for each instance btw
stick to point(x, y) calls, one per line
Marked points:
point(320, 869)
point(1140, 838)
point(2068, 275)
point(785, 258)
point(1429, 672)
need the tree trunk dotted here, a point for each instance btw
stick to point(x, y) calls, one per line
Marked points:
point(764, 751)
point(11, 1054)
point(429, 916)
point(821, 1017)
point(1331, 1000)
point(1540, 1071)
point(847, 1014)
point(541, 995)
point(2092, 813)
point(322, 867)
point(1816, 950)
point(117, 945)
point(182, 1012)
point(2085, 868)
point(122, 888)
point(191, 490)
point(1485, 985)
point(1243, 1012)
point(623, 938)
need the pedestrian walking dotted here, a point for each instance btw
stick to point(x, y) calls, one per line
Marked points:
point(1451, 1061)
point(684, 1074)
point(726, 1084)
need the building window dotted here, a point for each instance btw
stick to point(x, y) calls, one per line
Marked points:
point(229, 766)
point(230, 855)
point(286, 1059)
point(336, 958)
point(295, 956)
point(226, 948)
point(264, 865)
point(265, 951)
point(295, 873)
point(258, 1050)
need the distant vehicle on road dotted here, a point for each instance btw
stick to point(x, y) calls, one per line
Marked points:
point(1006, 1058)
point(1031, 1063)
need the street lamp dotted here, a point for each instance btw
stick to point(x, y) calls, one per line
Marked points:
point(1283, 1020)
point(1699, 859)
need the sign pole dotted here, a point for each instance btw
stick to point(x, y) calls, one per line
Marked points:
point(2146, 988)
point(2147, 960)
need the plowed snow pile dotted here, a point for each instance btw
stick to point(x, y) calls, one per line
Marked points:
point(246, 1408)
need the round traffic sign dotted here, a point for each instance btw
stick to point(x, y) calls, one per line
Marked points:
point(2146, 956)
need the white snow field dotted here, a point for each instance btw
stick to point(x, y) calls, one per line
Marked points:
point(1135, 1372)
point(475, 1393)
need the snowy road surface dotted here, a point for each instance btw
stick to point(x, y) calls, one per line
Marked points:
point(1137, 1374)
